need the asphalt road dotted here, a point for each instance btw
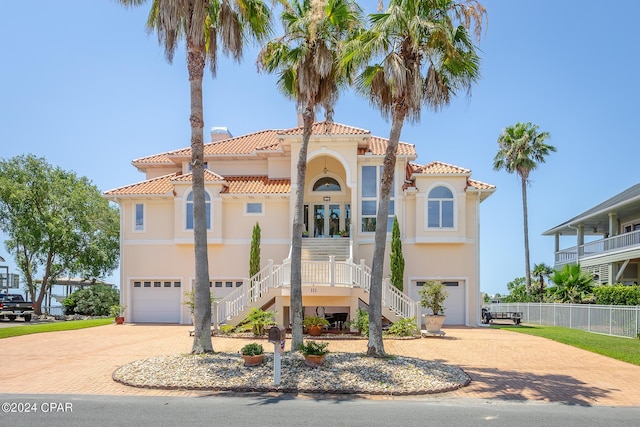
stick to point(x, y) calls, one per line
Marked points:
point(265, 410)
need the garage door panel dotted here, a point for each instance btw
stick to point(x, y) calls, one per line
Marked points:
point(454, 305)
point(156, 304)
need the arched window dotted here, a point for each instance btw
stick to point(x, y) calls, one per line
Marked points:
point(326, 183)
point(440, 208)
point(207, 201)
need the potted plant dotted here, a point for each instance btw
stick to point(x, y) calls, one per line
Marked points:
point(117, 311)
point(305, 233)
point(253, 354)
point(314, 325)
point(432, 297)
point(314, 353)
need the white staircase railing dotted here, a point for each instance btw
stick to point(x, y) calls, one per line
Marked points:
point(332, 273)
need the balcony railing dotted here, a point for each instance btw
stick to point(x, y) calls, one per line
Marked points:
point(598, 247)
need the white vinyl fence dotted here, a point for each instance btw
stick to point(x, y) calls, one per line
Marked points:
point(616, 320)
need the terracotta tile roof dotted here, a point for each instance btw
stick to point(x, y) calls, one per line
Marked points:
point(480, 185)
point(256, 185)
point(378, 146)
point(438, 168)
point(160, 185)
point(156, 159)
point(324, 127)
point(208, 177)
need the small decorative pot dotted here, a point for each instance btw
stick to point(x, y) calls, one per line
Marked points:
point(314, 330)
point(313, 360)
point(253, 360)
point(119, 320)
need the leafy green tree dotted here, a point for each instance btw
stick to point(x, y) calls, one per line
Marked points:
point(521, 148)
point(58, 224)
point(94, 300)
point(254, 257)
point(205, 26)
point(572, 285)
point(397, 260)
point(416, 53)
point(305, 58)
point(517, 291)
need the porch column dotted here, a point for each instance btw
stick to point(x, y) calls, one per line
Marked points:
point(557, 242)
point(613, 224)
point(580, 241)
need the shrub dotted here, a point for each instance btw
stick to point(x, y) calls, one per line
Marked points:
point(405, 327)
point(252, 349)
point(617, 294)
point(361, 322)
point(94, 300)
point(227, 329)
point(314, 348)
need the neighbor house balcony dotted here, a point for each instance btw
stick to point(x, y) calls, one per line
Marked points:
point(616, 248)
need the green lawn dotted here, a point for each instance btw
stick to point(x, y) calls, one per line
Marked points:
point(625, 349)
point(51, 327)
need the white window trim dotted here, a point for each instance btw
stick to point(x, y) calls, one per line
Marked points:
point(186, 201)
point(135, 217)
point(393, 198)
point(455, 208)
point(262, 209)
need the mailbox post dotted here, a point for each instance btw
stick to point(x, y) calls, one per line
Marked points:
point(278, 336)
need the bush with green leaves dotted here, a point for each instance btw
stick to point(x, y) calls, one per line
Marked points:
point(257, 321)
point(618, 294)
point(405, 327)
point(360, 322)
point(252, 349)
point(94, 300)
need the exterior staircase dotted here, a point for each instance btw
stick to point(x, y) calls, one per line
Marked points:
point(321, 249)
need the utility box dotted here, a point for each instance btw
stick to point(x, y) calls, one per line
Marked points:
point(277, 334)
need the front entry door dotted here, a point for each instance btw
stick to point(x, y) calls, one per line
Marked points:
point(326, 219)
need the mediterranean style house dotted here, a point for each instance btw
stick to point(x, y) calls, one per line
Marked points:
point(613, 252)
point(251, 179)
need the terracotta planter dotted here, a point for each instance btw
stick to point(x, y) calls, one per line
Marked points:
point(313, 360)
point(432, 323)
point(253, 360)
point(119, 320)
point(314, 331)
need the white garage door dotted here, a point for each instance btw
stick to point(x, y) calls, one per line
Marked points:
point(156, 302)
point(454, 305)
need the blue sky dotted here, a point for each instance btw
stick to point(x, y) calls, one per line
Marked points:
point(84, 85)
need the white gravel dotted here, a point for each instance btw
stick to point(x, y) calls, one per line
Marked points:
point(341, 373)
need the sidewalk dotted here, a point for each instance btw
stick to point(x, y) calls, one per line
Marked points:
point(502, 365)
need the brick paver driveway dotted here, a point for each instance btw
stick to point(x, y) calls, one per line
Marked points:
point(502, 364)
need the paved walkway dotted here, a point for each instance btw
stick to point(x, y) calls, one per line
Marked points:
point(503, 365)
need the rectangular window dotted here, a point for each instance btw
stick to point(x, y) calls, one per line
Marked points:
point(253, 208)
point(238, 284)
point(218, 284)
point(137, 284)
point(147, 284)
point(157, 284)
point(167, 284)
point(228, 284)
point(139, 224)
point(369, 194)
point(177, 284)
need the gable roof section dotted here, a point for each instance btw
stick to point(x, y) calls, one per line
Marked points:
point(438, 168)
point(164, 185)
point(256, 185)
point(156, 186)
point(623, 204)
point(326, 128)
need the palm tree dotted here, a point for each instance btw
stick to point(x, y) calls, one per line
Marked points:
point(205, 25)
point(425, 56)
point(305, 58)
point(541, 271)
point(521, 148)
point(572, 285)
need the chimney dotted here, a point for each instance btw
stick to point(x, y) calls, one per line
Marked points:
point(219, 133)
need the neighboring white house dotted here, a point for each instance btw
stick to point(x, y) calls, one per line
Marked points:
point(252, 178)
point(613, 258)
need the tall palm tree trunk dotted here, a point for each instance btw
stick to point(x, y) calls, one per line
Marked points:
point(298, 226)
point(376, 344)
point(202, 309)
point(527, 268)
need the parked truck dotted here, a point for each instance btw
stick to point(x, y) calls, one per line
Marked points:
point(13, 306)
